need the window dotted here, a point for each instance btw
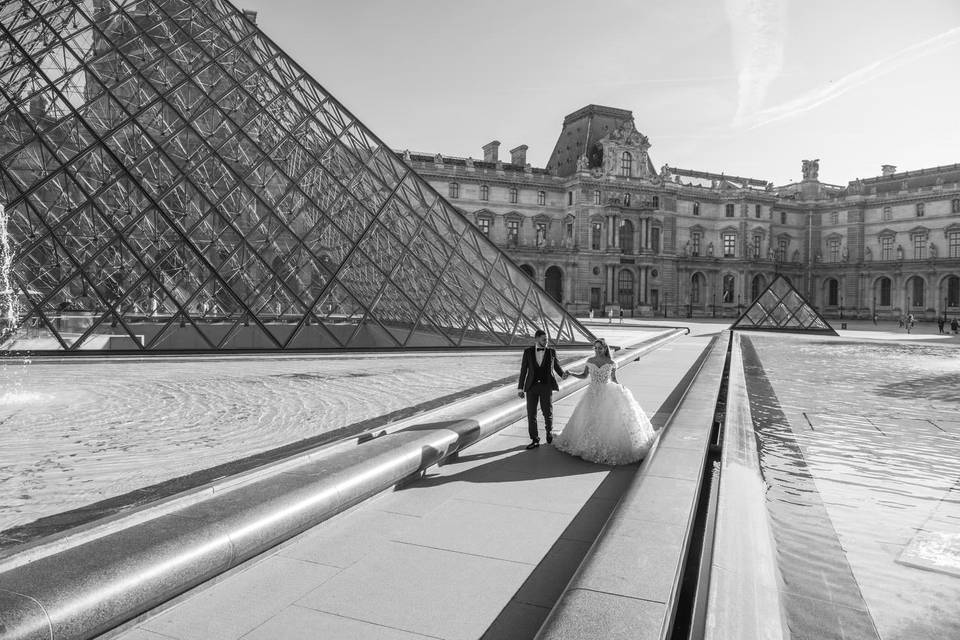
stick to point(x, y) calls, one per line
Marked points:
point(887, 213)
point(757, 210)
point(696, 285)
point(833, 292)
point(782, 249)
point(570, 234)
point(834, 217)
point(833, 249)
point(953, 291)
point(915, 287)
point(513, 232)
point(541, 234)
point(656, 202)
point(885, 289)
point(626, 236)
point(484, 192)
point(484, 225)
point(953, 239)
point(919, 246)
point(626, 164)
point(626, 199)
point(655, 239)
point(729, 245)
point(513, 195)
point(596, 196)
point(541, 198)
point(759, 284)
point(695, 241)
point(729, 210)
point(886, 248)
point(728, 285)
point(955, 205)
point(569, 197)
point(920, 209)
point(625, 289)
point(757, 241)
point(596, 233)
point(453, 189)
point(696, 208)
point(783, 217)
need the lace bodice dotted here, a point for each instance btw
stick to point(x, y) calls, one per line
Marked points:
point(600, 375)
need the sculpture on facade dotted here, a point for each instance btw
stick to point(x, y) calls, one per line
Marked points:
point(665, 172)
point(867, 254)
point(583, 163)
point(796, 255)
point(899, 252)
point(933, 250)
point(710, 249)
point(818, 257)
point(770, 253)
point(844, 254)
point(811, 169)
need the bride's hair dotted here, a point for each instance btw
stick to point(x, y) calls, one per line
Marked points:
point(606, 349)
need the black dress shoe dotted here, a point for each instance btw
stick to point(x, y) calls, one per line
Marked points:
point(534, 444)
point(549, 437)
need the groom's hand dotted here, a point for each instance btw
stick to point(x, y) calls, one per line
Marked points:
point(519, 394)
point(565, 375)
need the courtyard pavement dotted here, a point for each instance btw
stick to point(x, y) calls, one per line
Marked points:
point(481, 547)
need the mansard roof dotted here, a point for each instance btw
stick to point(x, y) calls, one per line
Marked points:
point(921, 178)
point(581, 130)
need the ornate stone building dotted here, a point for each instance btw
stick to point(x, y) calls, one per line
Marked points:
point(601, 229)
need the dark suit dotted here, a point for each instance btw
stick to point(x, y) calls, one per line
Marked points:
point(538, 383)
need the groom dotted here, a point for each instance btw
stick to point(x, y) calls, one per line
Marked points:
point(538, 383)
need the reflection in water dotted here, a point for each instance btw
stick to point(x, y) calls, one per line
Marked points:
point(860, 444)
point(76, 433)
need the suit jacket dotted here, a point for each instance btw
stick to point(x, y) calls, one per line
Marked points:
point(528, 368)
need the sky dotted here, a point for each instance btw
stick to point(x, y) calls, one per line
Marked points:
point(745, 87)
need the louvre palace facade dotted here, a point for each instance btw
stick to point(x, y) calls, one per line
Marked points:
point(601, 229)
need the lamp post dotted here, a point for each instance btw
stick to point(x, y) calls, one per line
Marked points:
point(841, 307)
point(713, 305)
point(738, 304)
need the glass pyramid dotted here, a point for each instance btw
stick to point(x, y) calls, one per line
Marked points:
point(781, 308)
point(174, 181)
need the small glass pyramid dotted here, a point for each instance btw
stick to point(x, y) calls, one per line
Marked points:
point(174, 181)
point(781, 308)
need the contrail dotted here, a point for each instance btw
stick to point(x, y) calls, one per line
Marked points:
point(824, 94)
point(758, 29)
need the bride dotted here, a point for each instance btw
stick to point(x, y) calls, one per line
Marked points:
point(607, 425)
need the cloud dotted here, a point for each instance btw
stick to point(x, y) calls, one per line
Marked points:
point(821, 95)
point(757, 28)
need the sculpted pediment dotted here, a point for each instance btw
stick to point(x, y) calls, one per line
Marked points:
point(627, 134)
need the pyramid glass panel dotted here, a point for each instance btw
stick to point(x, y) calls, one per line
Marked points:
point(780, 307)
point(171, 180)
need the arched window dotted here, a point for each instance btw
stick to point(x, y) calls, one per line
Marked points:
point(885, 292)
point(833, 292)
point(528, 269)
point(696, 208)
point(484, 192)
point(729, 282)
point(915, 291)
point(626, 236)
point(626, 164)
point(757, 287)
point(596, 235)
point(553, 283)
point(625, 289)
point(696, 288)
point(953, 291)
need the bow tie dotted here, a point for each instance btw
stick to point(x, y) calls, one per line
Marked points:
point(541, 348)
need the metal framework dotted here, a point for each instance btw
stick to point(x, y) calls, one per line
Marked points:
point(174, 181)
point(780, 307)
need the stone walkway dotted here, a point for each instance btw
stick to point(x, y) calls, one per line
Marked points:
point(481, 547)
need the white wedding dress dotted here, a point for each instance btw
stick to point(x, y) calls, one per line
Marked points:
point(608, 425)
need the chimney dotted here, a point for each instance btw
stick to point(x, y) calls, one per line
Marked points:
point(888, 169)
point(491, 151)
point(519, 155)
point(250, 15)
